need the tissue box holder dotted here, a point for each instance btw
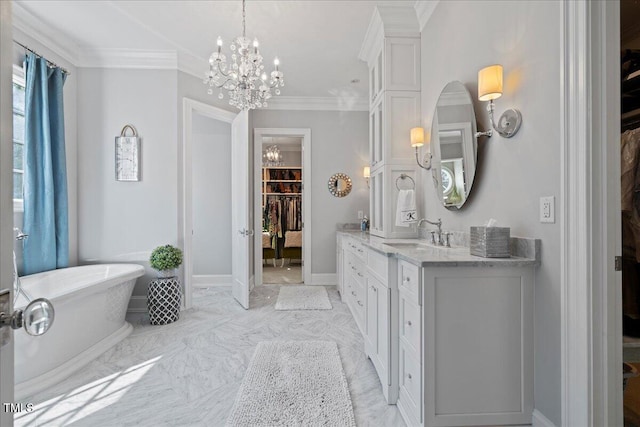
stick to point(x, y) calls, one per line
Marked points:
point(490, 242)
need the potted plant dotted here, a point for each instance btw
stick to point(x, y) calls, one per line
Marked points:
point(165, 294)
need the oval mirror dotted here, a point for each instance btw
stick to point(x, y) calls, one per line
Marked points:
point(339, 184)
point(454, 146)
point(38, 316)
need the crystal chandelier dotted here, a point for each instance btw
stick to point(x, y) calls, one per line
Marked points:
point(243, 77)
point(272, 156)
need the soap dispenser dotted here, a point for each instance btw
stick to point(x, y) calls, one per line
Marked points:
point(364, 224)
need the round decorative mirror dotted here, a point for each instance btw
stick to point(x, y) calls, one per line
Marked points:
point(339, 184)
point(38, 316)
point(454, 145)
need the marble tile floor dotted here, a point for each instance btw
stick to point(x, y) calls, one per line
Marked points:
point(287, 275)
point(188, 373)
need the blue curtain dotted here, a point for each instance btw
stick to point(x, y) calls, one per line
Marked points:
point(45, 171)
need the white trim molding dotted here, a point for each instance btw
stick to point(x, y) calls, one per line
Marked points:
point(539, 420)
point(137, 304)
point(324, 279)
point(305, 134)
point(591, 331)
point(129, 58)
point(424, 10)
point(336, 103)
point(209, 280)
point(57, 42)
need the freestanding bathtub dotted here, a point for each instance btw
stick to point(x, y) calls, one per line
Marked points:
point(90, 305)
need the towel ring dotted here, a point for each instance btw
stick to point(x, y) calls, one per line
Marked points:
point(404, 176)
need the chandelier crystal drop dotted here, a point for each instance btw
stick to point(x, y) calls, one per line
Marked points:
point(272, 156)
point(243, 76)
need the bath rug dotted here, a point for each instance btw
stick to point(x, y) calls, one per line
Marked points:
point(303, 298)
point(294, 383)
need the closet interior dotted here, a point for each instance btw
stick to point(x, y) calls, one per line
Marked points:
point(630, 205)
point(282, 210)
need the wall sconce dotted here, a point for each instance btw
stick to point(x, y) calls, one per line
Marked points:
point(490, 88)
point(366, 173)
point(417, 141)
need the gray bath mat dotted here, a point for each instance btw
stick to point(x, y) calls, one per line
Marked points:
point(303, 298)
point(294, 383)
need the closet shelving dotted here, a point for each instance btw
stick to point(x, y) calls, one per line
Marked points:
point(276, 181)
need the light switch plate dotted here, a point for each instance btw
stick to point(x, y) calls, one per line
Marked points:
point(360, 214)
point(548, 209)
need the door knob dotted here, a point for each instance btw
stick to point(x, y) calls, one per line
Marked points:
point(36, 318)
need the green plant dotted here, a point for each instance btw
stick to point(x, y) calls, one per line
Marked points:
point(166, 257)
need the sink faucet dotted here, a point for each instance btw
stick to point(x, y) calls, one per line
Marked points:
point(440, 239)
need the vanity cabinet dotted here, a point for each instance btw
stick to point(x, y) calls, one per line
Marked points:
point(466, 334)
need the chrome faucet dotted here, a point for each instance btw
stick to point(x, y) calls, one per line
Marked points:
point(17, 287)
point(437, 237)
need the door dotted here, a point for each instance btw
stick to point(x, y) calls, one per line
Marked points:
point(6, 206)
point(240, 218)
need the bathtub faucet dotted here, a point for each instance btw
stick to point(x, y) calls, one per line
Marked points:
point(17, 287)
point(19, 234)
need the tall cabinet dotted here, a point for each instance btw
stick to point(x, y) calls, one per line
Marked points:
point(394, 73)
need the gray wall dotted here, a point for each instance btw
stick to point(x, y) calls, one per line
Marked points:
point(339, 143)
point(512, 173)
point(211, 168)
point(124, 221)
point(70, 133)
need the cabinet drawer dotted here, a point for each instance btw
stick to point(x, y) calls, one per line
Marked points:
point(410, 374)
point(378, 266)
point(410, 324)
point(357, 248)
point(409, 278)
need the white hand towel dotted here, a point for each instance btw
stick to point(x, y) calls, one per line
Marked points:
point(406, 213)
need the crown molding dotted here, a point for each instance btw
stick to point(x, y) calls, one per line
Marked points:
point(424, 10)
point(129, 58)
point(388, 21)
point(372, 39)
point(31, 26)
point(317, 103)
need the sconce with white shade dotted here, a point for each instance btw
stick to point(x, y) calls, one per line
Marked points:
point(418, 139)
point(366, 173)
point(490, 88)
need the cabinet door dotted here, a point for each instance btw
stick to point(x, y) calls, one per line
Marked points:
point(384, 329)
point(376, 202)
point(376, 148)
point(372, 315)
point(340, 266)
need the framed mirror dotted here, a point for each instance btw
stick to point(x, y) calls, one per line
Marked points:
point(454, 145)
point(339, 184)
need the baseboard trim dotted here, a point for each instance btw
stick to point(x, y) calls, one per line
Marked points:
point(324, 279)
point(137, 304)
point(539, 420)
point(208, 280)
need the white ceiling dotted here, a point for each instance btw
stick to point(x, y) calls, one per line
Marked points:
point(316, 41)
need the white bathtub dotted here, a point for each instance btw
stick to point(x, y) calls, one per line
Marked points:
point(90, 305)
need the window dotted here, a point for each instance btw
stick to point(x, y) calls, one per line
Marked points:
point(18, 138)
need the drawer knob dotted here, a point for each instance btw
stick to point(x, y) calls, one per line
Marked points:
point(407, 279)
point(409, 376)
point(353, 293)
point(409, 322)
point(360, 303)
point(360, 274)
point(373, 288)
point(359, 250)
point(352, 267)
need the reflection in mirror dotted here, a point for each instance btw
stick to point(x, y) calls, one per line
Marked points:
point(38, 316)
point(339, 184)
point(454, 145)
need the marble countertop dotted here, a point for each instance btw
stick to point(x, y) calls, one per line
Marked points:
point(525, 252)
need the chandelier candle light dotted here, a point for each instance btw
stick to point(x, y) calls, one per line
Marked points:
point(243, 77)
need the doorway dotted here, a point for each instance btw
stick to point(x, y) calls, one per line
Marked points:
point(282, 170)
point(630, 206)
point(207, 254)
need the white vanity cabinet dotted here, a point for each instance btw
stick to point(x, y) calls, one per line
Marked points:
point(381, 338)
point(355, 280)
point(466, 345)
